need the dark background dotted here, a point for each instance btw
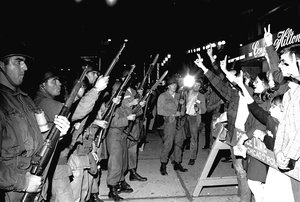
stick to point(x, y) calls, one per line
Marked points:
point(60, 32)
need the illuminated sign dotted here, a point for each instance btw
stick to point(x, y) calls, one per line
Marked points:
point(257, 49)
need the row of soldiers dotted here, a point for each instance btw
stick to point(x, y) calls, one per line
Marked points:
point(72, 173)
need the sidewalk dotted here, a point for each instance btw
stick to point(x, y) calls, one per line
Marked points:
point(176, 186)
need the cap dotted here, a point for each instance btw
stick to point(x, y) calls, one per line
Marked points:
point(172, 79)
point(49, 74)
point(92, 66)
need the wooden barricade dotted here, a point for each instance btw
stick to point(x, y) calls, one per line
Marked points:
point(204, 179)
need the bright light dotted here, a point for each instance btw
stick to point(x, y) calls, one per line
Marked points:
point(111, 2)
point(188, 81)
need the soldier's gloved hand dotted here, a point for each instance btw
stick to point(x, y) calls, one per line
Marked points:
point(62, 124)
point(134, 102)
point(131, 117)
point(143, 103)
point(101, 83)
point(33, 183)
point(117, 100)
point(100, 123)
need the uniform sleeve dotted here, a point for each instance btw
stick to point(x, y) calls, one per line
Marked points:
point(51, 108)
point(119, 120)
point(9, 179)
point(85, 105)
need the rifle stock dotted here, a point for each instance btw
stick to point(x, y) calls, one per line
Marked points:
point(43, 156)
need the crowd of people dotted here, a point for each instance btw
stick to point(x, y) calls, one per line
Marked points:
point(263, 107)
point(265, 110)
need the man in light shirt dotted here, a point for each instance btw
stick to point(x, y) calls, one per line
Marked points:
point(195, 106)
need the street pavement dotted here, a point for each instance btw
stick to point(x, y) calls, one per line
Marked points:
point(176, 186)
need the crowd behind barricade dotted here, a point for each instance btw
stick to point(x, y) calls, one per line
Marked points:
point(105, 127)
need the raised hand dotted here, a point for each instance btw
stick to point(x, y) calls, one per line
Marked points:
point(142, 103)
point(117, 100)
point(131, 117)
point(199, 62)
point(223, 63)
point(100, 123)
point(268, 37)
point(62, 124)
point(33, 183)
point(101, 83)
point(209, 51)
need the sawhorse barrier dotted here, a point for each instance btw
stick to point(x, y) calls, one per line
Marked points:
point(204, 180)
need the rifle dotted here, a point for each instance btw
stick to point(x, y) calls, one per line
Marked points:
point(141, 86)
point(138, 107)
point(114, 61)
point(110, 109)
point(44, 154)
point(92, 117)
point(180, 119)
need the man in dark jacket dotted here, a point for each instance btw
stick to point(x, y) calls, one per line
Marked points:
point(20, 133)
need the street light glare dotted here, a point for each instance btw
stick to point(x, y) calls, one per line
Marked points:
point(188, 81)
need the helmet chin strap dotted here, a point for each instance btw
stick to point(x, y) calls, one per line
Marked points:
point(8, 78)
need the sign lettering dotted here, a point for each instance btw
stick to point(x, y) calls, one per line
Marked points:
point(257, 149)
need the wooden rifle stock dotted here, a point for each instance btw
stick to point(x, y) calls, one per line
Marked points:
point(138, 107)
point(110, 109)
point(43, 156)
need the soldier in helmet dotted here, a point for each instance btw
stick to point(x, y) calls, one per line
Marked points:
point(167, 105)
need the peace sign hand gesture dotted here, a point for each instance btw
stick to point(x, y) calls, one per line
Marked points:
point(199, 61)
point(268, 37)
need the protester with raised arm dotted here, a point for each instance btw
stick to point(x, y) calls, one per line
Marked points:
point(278, 185)
point(237, 114)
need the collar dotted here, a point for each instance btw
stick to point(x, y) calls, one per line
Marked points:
point(18, 91)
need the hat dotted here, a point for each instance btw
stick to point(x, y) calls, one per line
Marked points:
point(92, 66)
point(9, 49)
point(172, 79)
point(49, 74)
